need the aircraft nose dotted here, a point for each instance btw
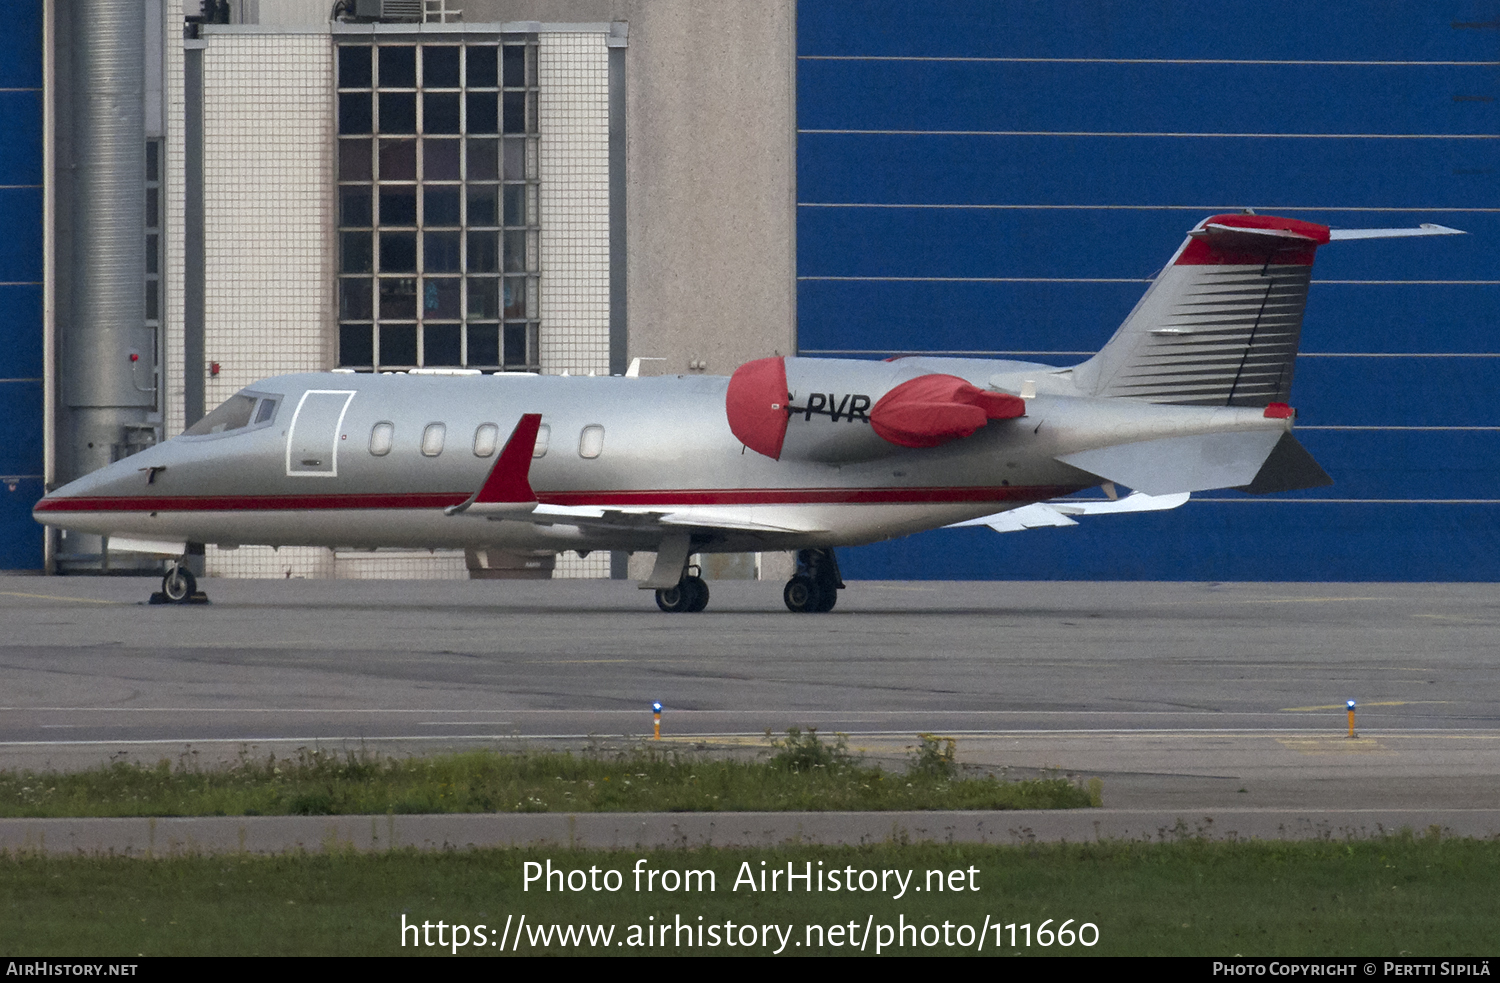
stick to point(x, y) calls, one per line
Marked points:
point(121, 479)
point(68, 498)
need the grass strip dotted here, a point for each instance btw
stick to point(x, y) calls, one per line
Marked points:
point(1398, 895)
point(803, 773)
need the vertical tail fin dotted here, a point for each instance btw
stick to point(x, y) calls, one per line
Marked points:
point(1221, 323)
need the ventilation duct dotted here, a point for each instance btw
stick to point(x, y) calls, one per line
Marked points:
point(106, 391)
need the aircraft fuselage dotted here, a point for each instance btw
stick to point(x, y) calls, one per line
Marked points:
point(317, 471)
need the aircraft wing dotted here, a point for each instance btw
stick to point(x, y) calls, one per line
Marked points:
point(507, 495)
point(704, 517)
point(1059, 511)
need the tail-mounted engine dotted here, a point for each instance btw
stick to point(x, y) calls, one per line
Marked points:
point(838, 410)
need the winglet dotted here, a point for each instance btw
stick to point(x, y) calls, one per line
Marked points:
point(508, 488)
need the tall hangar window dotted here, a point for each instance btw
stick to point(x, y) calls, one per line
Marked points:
point(438, 225)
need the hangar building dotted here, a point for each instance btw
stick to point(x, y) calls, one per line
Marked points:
point(197, 198)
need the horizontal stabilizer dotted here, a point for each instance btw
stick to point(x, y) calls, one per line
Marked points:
point(1181, 464)
point(1059, 511)
point(1426, 229)
point(1289, 468)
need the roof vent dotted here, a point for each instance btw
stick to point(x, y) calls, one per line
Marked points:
point(389, 11)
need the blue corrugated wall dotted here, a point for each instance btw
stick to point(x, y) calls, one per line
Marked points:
point(21, 283)
point(1003, 178)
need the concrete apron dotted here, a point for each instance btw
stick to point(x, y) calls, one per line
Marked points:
point(162, 837)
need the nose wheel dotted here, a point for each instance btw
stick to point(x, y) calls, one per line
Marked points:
point(179, 586)
point(815, 586)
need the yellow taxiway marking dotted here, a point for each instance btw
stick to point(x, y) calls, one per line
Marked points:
point(1308, 600)
point(584, 662)
point(1333, 745)
point(1443, 737)
point(746, 740)
point(735, 741)
point(606, 662)
point(1454, 618)
point(58, 597)
point(1383, 703)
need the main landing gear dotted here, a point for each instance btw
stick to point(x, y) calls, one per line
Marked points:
point(179, 586)
point(814, 587)
point(690, 594)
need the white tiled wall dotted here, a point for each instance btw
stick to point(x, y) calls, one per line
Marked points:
point(574, 70)
point(270, 250)
point(268, 197)
point(268, 188)
point(405, 565)
point(574, 80)
point(265, 563)
point(571, 566)
point(172, 243)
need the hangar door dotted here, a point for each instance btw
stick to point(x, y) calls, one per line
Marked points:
point(1005, 179)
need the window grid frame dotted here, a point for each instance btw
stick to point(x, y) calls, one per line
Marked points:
point(517, 273)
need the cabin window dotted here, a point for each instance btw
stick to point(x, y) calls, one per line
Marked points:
point(543, 438)
point(381, 438)
point(432, 439)
point(591, 441)
point(486, 439)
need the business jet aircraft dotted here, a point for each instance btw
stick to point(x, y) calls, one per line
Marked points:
point(789, 453)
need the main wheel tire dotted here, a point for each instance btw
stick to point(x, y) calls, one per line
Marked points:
point(674, 600)
point(179, 585)
point(699, 592)
point(802, 595)
point(828, 596)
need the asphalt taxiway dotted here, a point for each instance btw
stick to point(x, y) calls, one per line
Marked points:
point(1178, 696)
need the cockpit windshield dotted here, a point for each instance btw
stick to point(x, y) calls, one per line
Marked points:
point(236, 413)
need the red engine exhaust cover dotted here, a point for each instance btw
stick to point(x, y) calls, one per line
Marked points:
point(933, 409)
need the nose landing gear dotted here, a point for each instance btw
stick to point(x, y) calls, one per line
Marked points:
point(179, 586)
point(815, 586)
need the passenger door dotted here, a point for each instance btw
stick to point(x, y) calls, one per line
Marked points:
point(312, 441)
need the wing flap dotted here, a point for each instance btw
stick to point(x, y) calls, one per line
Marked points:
point(635, 518)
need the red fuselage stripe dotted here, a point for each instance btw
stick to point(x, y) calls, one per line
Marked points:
point(673, 498)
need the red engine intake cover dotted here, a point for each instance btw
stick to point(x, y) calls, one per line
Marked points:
point(931, 410)
point(756, 405)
